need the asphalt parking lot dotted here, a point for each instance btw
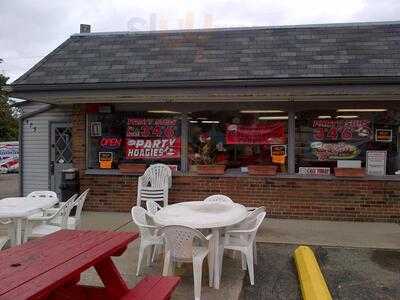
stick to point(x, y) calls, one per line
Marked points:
point(350, 273)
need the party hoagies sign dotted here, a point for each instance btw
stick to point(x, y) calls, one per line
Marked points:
point(153, 148)
point(152, 139)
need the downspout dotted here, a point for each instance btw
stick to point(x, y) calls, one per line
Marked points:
point(21, 157)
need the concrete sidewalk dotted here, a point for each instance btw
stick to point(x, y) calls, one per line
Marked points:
point(285, 231)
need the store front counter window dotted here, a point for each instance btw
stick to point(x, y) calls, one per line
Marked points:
point(238, 141)
point(347, 138)
point(133, 140)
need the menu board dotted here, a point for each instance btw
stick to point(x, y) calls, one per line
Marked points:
point(376, 163)
point(152, 139)
point(339, 139)
point(261, 133)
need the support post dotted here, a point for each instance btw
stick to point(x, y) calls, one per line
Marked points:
point(292, 141)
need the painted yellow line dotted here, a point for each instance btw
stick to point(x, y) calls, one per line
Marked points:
point(312, 282)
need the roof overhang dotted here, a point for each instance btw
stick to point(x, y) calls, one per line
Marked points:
point(287, 89)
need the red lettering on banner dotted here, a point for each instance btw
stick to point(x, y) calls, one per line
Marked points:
point(264, 134)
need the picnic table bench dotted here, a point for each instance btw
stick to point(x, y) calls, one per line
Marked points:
point(50, 268)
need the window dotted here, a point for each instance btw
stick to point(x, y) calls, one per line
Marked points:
point(133, 137)
point(348, 137)
point(238, 139)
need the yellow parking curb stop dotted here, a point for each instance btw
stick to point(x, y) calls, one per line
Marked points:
point(312, 282)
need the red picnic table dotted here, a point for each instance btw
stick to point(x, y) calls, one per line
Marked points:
point(50, 268)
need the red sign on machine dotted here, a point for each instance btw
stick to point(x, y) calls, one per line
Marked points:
point(263, 134)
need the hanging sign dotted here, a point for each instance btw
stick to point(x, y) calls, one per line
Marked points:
point(152, 139)
point(261, 134)
point(339, 139)
point(384, 135)
point(376, 163)
point(105, 160)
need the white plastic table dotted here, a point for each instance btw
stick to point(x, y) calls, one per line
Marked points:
point(203, 215)
point(20, 208)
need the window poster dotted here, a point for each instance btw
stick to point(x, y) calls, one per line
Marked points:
point(95, 129)
point(384, 135)
point(152, 139)
point(278, 153)
point(339, 139)
point(314, 171)
point(256, 134)
point(376, 163)
point(105, 160)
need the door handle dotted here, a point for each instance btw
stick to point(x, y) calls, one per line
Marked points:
point(52, 168)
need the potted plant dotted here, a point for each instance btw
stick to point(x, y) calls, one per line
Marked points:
point(204, 160)
point(349, 172)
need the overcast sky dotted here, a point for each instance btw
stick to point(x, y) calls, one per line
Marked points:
point(29, 29)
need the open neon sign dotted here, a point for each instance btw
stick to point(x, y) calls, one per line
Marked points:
point(110, 142)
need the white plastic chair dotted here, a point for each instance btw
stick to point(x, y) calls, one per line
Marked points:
point(4, 239)
point(148, 235)
point(184, 244)
point(152, 207)
point(159, 172)
point(154, 184)
point(249, 222)
point(242, 239)
point(218, 199)
point(45, 227)
point(74, 221)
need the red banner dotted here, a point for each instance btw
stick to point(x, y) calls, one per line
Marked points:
point(263, 134)
point(153, 148)
point(152, 139)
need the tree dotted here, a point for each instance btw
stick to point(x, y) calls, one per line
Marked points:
point(8, 124)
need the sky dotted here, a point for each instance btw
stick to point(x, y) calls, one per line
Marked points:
point(30, 29)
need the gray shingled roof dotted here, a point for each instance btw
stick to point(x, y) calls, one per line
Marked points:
point(315, 51)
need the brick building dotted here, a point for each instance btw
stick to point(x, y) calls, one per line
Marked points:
point(301, 119)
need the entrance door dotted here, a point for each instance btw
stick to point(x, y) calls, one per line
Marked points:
point(60, 154)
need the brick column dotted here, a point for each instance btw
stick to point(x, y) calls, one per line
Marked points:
point(79, 138)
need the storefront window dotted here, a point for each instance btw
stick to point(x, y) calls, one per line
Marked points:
point(238, 139)
point(133, 137)
point(359, 137)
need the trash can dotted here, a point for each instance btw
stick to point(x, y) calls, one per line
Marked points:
point(69, 183)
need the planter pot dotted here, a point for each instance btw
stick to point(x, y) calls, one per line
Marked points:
point(210, 169)
point(260, 170)
point(349, 172)
point(132, 168)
